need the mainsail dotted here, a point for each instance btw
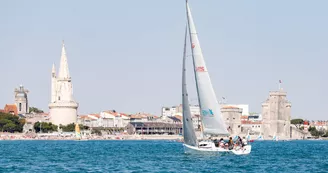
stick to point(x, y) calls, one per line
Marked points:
point(188, 128)
point(212, 121)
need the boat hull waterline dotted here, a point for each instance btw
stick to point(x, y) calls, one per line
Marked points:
point(192, 149)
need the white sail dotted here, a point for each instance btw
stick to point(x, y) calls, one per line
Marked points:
point(189, 135)
point(212, 121)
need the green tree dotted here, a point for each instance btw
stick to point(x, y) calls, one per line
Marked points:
point(68, 127)
point(297, 122)
point(11, 123)
point(45, 127)
point(314, 132)
point(10, 127)
point(35, 110)
point(3, 122)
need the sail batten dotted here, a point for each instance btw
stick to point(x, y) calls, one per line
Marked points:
point(212, 121)
point(189, 135)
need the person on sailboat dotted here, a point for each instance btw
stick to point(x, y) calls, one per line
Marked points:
point(244, 142)
point(221, 143)
point(240, 141)
point(231, 144)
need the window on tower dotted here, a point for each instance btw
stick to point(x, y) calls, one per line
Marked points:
point(59, 98)
point(20, 106)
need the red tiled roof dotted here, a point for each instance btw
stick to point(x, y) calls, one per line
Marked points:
point(2, 111)
point(229, 107)
point(251, 122)
point(11, 108)
point(178, 117)
point(95, 115)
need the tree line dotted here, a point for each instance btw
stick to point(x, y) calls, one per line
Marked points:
point(10, 123)
point(46, 127)
point(313, 130)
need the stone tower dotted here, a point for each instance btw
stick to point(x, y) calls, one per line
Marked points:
point(231, 116)
point(63, 108)
point(21, 100)
point(276, 116)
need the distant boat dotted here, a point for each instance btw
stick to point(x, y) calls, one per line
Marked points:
point(260, 137)
point(212, 121)
point(248, 137)
point(275, 138)
point(77, 132)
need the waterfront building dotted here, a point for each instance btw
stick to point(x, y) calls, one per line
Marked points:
point(194, 109)
point(31, 119)
point(106, 119)
point(177, 110)
point(149, 128)
point(231, 115)
point(276, 115)
point(169, 111)
point(21, 100)
point(63, 108)
point(244, 108)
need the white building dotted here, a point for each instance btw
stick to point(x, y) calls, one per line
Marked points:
point(105, 119)
point(63, 108)
point(169, 112)
point(177, 110)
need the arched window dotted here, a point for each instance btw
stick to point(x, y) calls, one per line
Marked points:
point(20, 106)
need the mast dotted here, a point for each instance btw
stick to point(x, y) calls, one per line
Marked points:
point(192, 46)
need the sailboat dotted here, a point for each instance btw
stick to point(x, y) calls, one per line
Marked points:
point(275, 137)
point(77, 132)
point(260, 137)
point(212, 121)
point(248, 136)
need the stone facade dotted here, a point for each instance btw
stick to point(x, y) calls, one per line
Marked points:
point(276, 116)
point(231, 116)
point(63, 108)
point(21, 100)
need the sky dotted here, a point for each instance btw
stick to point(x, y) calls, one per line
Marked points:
point(127, 55)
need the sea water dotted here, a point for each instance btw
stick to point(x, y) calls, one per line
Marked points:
point(158, 156)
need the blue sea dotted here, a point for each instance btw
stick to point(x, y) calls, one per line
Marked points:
point(158, 156)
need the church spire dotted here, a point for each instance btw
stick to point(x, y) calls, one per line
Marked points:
point(63, 68)
point(53, 69)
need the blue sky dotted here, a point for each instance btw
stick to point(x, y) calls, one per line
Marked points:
point(126, 55)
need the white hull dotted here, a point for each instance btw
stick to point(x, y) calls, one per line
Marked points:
point(192, 149)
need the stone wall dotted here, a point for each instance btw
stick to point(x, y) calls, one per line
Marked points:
point(276, 115)
point(231, 115)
